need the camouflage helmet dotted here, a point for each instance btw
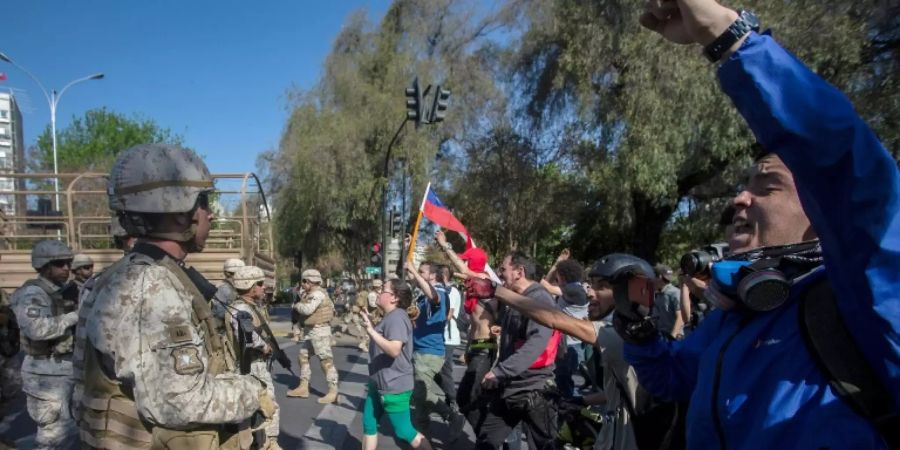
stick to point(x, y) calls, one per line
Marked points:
point(246, 276)
point(80, 260)
point(231, 265)
point(157, 178)
point(49, 250)
point(312, 275)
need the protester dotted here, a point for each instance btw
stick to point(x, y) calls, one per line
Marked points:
point(667, 302)
point(625, 406)
point(481, 347)
point(564, 282)
point(753, 379)
point(521, 386)
point(391, 368)
point(452, 338)
point(428, 346)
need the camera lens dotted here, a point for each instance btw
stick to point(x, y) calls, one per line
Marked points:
point(696, 263)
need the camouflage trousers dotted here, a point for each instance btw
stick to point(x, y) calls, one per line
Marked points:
point(317, 339)
point(48, 405)
point(260, 370)
point(360, 325)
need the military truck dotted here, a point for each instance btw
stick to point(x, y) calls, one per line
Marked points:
point(32, 209)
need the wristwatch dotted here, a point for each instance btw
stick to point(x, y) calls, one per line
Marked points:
point(746, 22)
point(447, 246)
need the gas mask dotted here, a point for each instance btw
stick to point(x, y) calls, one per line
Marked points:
point(761, 279)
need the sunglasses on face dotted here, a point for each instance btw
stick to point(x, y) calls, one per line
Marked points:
point(87, 267)
point(61, 263)
point(260, 283)
point(203, 201)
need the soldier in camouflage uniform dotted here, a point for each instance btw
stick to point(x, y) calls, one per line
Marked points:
point(365, 302)
point(122, 241)
point(45, 309)
point(316, 311)
point(10, 364)
point(156, 374)
point(249, 283)
point(82, 269)
point(225, 293)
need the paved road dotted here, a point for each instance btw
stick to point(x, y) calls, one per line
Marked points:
point(304, 423)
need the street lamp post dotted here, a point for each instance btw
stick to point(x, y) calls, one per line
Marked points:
point(53, 98)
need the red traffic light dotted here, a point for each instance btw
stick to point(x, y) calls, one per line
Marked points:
point(376, 247)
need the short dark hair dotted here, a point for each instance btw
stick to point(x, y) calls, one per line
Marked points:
point(521, 259)
point(434, 269)
point(570, 270)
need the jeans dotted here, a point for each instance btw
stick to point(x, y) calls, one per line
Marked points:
point(568, 367)
point(468, 396)
point(445, 379)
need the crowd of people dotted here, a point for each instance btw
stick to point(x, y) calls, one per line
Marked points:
point(787, 340)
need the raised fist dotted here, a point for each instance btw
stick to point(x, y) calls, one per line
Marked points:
point(687, 21)
point(479, 288)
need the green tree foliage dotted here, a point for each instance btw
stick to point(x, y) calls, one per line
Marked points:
point(326, 176)
point(510, 196)
point(650, 128)
point(569, 125)
point(91, 143)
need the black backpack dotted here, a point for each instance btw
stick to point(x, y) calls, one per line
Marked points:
point(840, 359)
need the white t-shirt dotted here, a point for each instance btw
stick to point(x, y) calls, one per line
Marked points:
point(451, 332)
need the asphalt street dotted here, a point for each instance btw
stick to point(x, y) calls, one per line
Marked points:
point(305, 424)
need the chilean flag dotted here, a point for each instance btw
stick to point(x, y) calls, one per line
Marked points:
point(434, 210)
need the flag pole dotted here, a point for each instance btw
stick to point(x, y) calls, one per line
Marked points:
point(415, 233)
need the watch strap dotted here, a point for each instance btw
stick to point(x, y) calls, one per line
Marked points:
point(745, 23)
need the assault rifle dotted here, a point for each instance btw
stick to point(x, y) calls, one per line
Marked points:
point(245, 323)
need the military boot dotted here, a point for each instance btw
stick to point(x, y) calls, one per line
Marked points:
point(301, 391)
point(331, 396)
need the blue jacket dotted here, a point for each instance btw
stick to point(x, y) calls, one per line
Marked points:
point(755, 374)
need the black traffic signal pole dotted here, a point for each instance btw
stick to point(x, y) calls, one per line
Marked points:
point(384, 212)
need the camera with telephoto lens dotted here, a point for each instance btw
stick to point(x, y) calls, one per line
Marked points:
point(699, 261)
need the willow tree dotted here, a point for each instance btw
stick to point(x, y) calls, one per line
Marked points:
point(645, 120)
point(327, 174)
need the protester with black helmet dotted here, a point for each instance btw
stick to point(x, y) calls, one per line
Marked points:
point(617, 277)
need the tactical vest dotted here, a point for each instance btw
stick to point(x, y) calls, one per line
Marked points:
point(108, 415)
point(323, 314)
point(362, 300)
point(59, 306)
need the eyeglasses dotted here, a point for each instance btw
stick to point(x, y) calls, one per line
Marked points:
point(260, 283)
point(61, 263)
point(304, 281)
point(87, 267)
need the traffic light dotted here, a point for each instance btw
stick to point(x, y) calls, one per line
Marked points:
point(376, 254)
point(414, 103)
point(396, 223)
point(439, 107)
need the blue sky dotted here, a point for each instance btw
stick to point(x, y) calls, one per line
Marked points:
point(215, 72)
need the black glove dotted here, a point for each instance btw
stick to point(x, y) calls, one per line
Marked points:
point(635, 331)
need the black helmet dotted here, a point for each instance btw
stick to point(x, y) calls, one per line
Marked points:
point(618, 266)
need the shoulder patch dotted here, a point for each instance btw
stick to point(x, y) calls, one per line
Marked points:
point(187, 361)
point(33, 312)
